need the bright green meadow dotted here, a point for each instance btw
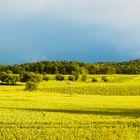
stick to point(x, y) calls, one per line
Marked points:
point(72, 110)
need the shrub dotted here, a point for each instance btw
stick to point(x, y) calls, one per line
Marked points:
point(24, 77)
point(105, 79)
point(60, 77)
point(76, 75)
point(31, 86)
point(46, 78)
point(37, 78)
point(94, 79)
point(29, 76)
point(9, 79)
point(84, 77)
point(71, 78)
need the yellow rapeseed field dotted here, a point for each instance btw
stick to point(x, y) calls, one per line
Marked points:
point(72, 110)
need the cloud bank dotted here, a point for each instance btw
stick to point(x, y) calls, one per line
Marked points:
point(21, 8)
point(90, 30)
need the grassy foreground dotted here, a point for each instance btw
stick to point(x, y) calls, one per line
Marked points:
point(61, 116)
point(49, 114)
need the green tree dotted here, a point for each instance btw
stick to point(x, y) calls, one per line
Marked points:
point(9, 79)
point(32, 77)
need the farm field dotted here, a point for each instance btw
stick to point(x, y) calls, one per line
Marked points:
point(72, 110)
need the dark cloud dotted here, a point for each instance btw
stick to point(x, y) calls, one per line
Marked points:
point(69, 30)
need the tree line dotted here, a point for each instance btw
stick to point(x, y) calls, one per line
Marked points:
point(68, 67)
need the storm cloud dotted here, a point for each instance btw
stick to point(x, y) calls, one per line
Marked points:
point(90, 30)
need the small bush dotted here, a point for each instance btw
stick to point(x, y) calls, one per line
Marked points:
point(37, 78)
point(105, 79)
point(46, 78)
point(31, 86)
point(60, 77)
point(84, 77)
point(71, 78)
point(76, 74)
point(94, 79)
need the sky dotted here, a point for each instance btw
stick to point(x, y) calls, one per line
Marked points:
point(74, 30)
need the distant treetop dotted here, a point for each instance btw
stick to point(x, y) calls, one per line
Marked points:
point(68, 67)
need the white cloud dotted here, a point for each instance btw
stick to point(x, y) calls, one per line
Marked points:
point(91, 10)
point(21, 8)
point(115, 12)
point(118, 12)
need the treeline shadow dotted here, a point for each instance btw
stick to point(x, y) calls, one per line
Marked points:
point(97, 111)
point(5, 84)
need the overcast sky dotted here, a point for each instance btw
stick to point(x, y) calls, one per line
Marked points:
point(83, 30)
